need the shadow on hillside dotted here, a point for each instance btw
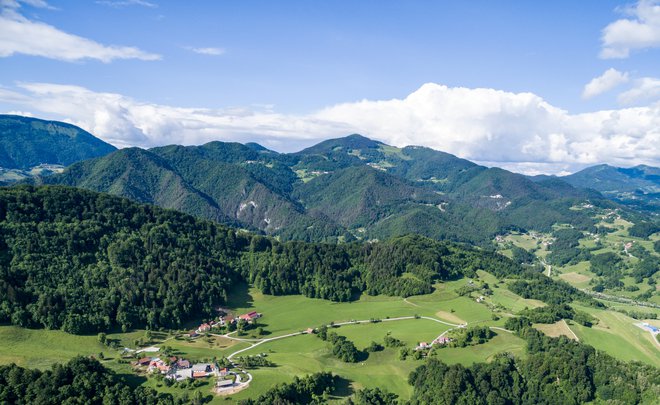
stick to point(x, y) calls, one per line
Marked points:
point(132, 380)
point(342, 388)
point(363, 355)
point(239, 297)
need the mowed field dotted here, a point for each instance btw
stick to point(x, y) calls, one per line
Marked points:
point(556, 329)
point(617, 335)
point(304, 354)
point(42, 348)
point(307, 354)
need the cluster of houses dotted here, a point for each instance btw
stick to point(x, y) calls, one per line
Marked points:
point(180, 369)
point(250, 317)
point(440, 340)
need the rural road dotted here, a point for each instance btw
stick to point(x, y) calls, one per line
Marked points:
point(256, 342)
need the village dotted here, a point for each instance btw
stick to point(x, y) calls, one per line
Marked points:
point(176, 369)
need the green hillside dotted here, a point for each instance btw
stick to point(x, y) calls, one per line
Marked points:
point(339, 190)
point(29, 142)
point(84, 261)
point(637, 186)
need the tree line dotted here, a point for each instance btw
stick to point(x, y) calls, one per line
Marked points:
point(87, 262)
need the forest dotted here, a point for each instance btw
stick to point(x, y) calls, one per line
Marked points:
point(555, 371)
point(80, 381)
point(87, 262)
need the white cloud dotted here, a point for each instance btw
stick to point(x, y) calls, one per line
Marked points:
point(207, 51)
point(21, 35)
point(516, 130)
point(603, 83)
point(645, 89)
point(640, 31)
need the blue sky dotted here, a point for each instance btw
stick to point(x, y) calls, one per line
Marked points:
point(290, 73)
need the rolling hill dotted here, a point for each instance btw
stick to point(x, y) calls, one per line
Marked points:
point(340, 189)
point(28, 142)
point(638, 186)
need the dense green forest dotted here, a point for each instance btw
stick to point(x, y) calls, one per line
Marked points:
point(87, 262)
point(27, 142)
point(80, 381)
point(339, 190)
point(555, 371)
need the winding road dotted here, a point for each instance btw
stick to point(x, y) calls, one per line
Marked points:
point(256, 342)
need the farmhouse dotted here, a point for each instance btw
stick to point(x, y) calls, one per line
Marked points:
point(250, 317)
point(202, 370)
point(442, 340)
point(144, 361)
point(422, 346)
point(205, 327)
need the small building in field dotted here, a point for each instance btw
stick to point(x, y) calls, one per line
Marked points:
point(422, 346)
point(144, 361)
point(442, 340)
point(250, 316)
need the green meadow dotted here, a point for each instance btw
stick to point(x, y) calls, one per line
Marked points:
point(616, 334)
point(305, 354)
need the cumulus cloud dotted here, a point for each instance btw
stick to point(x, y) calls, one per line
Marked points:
point(644, 90)
point(604, 83)
point(21, 35)
point(207, 51)
point(641, 30)
point(519, 131)
point(124, 121)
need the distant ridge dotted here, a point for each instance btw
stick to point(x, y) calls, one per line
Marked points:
point(338, 190)
point(638, 186)
point(27, 142)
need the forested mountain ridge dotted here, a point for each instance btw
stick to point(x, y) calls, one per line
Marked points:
point(340, 189)
point(84, 261)
point(28, 142)
point(638, 186)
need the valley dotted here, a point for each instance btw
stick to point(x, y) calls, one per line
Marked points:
point(413, 320)
point(427, 261)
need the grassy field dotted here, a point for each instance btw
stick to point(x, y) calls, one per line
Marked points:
point(555, 329)
point(576, 279)
point(40, 349)
point(305, 354)
point(617, 335)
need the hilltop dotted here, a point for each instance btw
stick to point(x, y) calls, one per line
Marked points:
point(339, 190)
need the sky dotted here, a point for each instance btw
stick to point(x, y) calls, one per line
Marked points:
point(534, 87)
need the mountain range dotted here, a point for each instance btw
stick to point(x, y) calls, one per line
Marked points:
point(338, 190)
point(31, 146)
point(638, 186)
